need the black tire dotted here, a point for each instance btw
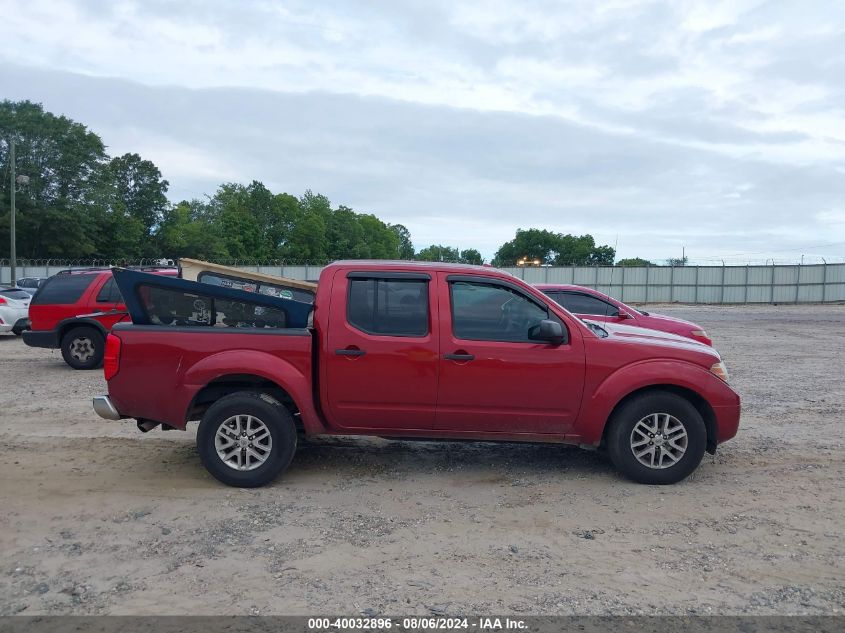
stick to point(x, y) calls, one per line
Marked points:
point(275, 417)
point(621, 436)
point(82, 347)
point(17, 331)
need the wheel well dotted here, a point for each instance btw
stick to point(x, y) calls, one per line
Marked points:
point(234, 383)
point(701, 405)
point(66, 327)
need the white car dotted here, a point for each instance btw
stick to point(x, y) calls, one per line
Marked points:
point(14, 310)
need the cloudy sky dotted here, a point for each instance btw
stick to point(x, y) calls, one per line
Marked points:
point(718, 127)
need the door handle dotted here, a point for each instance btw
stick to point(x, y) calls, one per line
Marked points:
point(463, 357)
point(350, 352)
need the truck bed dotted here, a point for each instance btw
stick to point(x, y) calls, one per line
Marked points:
point(169, 374)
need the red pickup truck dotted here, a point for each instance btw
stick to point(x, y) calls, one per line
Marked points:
point(415, 350)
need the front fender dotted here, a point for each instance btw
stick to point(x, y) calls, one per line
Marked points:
point(639, 375)
point(261, 364)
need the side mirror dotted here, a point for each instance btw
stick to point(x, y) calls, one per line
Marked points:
point(624, 315)
point(549, 331)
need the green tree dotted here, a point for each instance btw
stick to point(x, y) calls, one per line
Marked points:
point(634, 261)
point(138, 188)
point(548, 247)
point(406, 248)
point(186, 232)
point(530, 244)
point(234, 212)
point(471, 256)
point(379, 241)
point(679, 261)
point(439, 253)
point(345, 235)
point(306, 239)
point(62, 160)
point(602, 256)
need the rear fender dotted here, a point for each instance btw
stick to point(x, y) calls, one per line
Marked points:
point(267, 366)
point(631, 378)
point(64, 326)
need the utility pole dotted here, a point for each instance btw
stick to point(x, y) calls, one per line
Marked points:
point(12, 252)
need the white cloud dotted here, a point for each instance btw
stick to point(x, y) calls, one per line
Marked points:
point(749, 84)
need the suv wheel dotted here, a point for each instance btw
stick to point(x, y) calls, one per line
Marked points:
point(246, 439)
point(656, 438)
point(82, 347)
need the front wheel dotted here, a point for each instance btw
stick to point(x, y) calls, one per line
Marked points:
point(656, 438)
point(246, 439)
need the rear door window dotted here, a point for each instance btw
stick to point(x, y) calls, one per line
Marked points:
point(109, 293)
point(388, 307)
point(63, 289)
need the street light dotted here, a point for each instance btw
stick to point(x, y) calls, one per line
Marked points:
point(14, 182)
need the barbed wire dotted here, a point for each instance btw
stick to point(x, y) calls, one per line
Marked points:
point(160, 261)
point(236, 262)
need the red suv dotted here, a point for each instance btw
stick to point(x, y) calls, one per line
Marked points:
point(74, 310)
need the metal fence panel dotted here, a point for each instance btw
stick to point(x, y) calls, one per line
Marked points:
point(657, 284)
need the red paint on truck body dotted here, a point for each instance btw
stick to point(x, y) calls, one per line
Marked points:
point(406, 385)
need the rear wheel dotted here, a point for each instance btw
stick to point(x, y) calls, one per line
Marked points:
point(656, 438)
point(246, 439)
point(82, 347)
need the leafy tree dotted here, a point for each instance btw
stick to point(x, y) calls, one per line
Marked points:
point(62, 159)
point(345, 234)
point(439, 253)
point(679, 261)
point(307, 240)
point(530, 244)
point(548, 247)
point(138, 188)
point(186, 232)
point(471, 256)
point(315, 203)
point(406, 248)
point(285, 214)
point(634, 261)
point(378, 240)
point(602, 256)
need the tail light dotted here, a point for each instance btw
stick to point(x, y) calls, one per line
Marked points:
point(2, 301)
point(111, 358)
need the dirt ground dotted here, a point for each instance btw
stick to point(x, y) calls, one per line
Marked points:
point(99, 518)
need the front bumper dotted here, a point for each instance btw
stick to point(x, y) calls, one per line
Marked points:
point(727, 421)
point(41, 338)
point(105, 409)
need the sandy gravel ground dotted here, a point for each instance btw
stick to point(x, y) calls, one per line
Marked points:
point(98, 518)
